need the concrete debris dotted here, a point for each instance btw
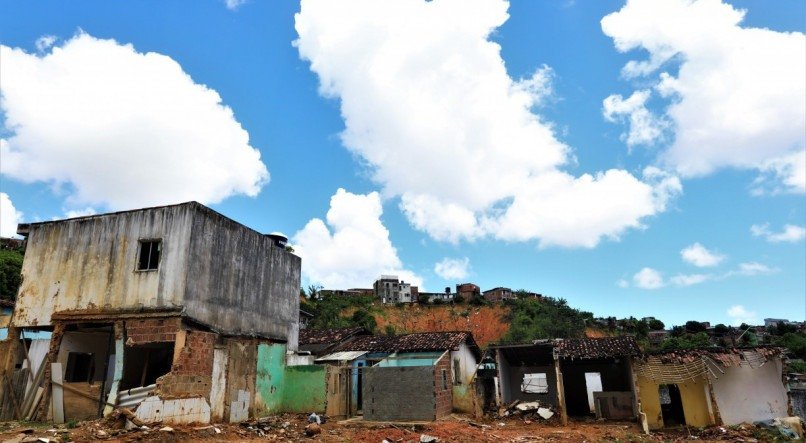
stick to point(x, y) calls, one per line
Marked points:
point(528, 406)
point(425, 438)
point(167, 429)
point(545, 413)
point(313, 418)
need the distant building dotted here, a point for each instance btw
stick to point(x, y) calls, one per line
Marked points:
point(389, 289)
point(498, 294)
point(468, 290)
point(445, 297)
point(352, 292)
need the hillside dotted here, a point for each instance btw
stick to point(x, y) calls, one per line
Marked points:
point(488, 324)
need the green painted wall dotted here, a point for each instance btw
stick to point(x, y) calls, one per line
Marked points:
point(305, 389)
point(287, 389)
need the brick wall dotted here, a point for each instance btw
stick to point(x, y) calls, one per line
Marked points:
point(443, 388)
point(399, 393)
point(192, 371)
point(152, 330)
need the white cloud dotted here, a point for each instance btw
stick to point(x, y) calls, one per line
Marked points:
point(753, 269)
point(689, 279)
point(452, 268)
point(622, 283)
point(10, 217)
point(121, 128)
point(648, 278)
point(645, 128)
point(698, 255)
point(739, 314)
point(45, 42)
point(234, 4)
point(72, 213)
point(791, 233)
point(353, 248)
point(737, 98)
point(429, 107)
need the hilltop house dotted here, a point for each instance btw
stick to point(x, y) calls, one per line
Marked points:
point(160, 310)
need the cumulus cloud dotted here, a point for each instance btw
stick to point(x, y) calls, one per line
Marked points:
point(432, 112)
point(790, 233)
point(737, 97)
point(10, 217)
point(698, 255)
point(739, 314)
point(45, 42)
point(452, 268)
point(645, 127)
point(648, 278)
point(352, 248)
point(116, 127)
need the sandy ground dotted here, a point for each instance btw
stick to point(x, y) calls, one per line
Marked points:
point(291, 428)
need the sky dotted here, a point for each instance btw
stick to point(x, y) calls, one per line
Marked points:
point(643, 158)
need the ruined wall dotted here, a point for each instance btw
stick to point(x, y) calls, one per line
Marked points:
point(443, 384)
point(89, 263)
point(305, 389)
point(693, 395)
point(241, 376)
point(399, 393)
point(515, 378)
point(192, 370)
point(270, 378)
point(744, 394)
point(614, 376)
point(798, 399)
point(239, 282)
point(151, 330)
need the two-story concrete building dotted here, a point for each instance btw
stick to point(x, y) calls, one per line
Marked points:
point(159, 310)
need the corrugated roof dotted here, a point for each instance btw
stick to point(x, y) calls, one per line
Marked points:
point(342, 356)
point(604, 347)
point(320, 336)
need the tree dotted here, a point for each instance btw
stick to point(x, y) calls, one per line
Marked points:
point(458, 299)
point(313, 292)
point(656, 325)
point(364, 319)
point(547, 318)
point(10, 273)
point(721, 329)
point(694, 327)
point(423, 299)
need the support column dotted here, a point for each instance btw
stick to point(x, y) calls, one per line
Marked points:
point(43, 410)
point(560, 391)
point(112, 399)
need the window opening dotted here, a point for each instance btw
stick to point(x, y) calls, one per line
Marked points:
point(535, 383)
point(80, 367)
point(150, 251)
point(444, 379)
point(457, 371)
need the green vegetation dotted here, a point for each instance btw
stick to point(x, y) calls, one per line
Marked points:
point(10, 268)
point(329, 310)
point(547, 318)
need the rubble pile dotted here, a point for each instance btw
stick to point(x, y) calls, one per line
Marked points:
point(528, 410)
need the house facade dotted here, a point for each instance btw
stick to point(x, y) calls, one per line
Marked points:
point(158, 309)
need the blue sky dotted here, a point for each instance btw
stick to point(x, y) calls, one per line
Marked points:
point(529, 145)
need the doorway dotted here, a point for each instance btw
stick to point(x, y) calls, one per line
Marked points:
point(593, 383)
point(671, 405)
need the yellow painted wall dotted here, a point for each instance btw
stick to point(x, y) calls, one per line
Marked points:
point(692, 394)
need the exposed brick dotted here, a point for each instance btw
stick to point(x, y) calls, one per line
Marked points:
point(152, 330)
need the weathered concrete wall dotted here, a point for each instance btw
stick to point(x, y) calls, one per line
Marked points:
point(614, 376)
point(239, 282)
point(744, 394)
point(399, 393)
point(282, 388)
point(514, 378)
point(798, 398)
point(89, 264)
point(241, 376)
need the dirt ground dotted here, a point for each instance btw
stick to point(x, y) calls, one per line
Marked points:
point(291, 428)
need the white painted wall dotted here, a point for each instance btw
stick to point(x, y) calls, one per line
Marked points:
point(467, 362)
point(744, 394)
point(218, 387)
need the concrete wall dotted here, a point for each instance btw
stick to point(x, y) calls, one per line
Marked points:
point(399, 393)
point(615, 377)
point(463, 391)
point(305, 389)
point(239, 282)
point(693, 395)
point(89, 264)
point(744, 394)
point(798, 398)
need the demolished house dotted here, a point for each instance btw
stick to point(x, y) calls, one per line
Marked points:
point(158, 310)
point(713, 386)
point(574, 377)
point(420, 376)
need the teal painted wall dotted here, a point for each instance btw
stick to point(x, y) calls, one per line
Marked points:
point(270, 379)
point(281, 388)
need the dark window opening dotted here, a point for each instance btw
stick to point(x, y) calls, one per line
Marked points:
point(143, 364)
point(444, 379)
point(80, 367)
point(149, 259)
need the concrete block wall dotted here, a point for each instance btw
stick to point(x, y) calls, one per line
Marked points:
point(152, 330)
point(399, 394)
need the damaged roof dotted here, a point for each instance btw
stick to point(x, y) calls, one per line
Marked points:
point(724, 356)
point(421, 341)
point(604, 347)
point(335, 335)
